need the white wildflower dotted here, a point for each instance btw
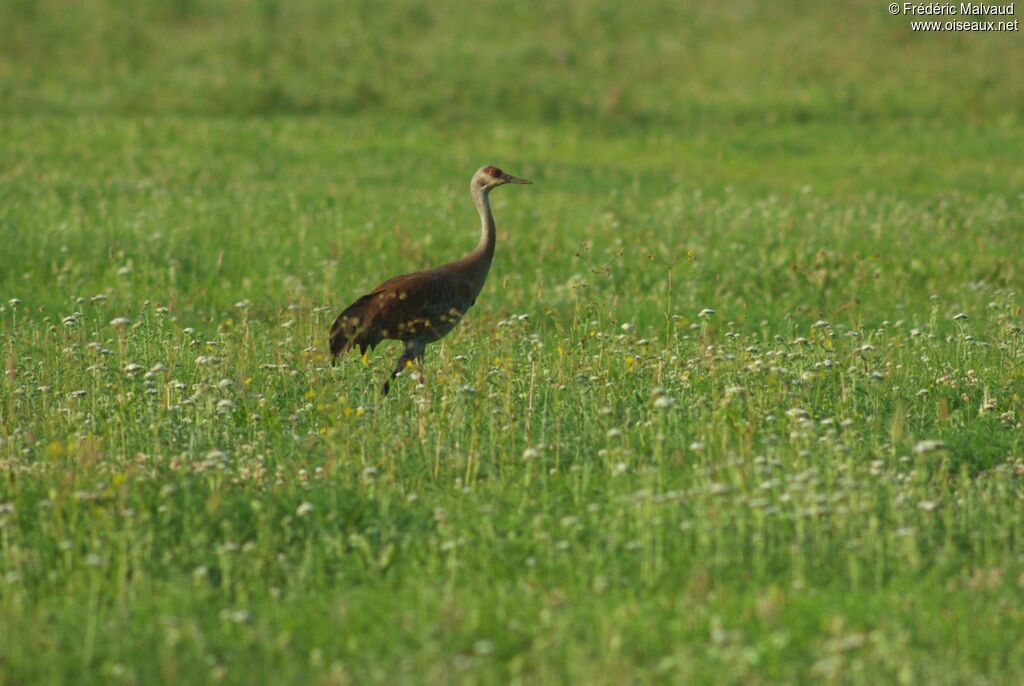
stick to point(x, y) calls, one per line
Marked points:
point(664, 402)
point(238, 616)
point(929, 446)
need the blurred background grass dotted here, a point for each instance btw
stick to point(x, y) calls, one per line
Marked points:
point(656, 63)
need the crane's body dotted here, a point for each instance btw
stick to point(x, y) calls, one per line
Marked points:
point(423, 307)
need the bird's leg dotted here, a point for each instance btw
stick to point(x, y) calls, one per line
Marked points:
point(399, 368)
point(421, 379)
point(413, 353)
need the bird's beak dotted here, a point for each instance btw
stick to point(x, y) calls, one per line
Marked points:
point(515, 179)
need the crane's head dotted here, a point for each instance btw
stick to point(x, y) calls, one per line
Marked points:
point(491, 177)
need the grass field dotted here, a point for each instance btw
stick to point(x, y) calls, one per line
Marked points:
point(741, 402)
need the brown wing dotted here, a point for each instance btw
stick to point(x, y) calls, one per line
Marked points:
point(352, 328)
point(422, 304)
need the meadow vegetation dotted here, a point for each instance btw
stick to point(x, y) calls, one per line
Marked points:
point(741, 402)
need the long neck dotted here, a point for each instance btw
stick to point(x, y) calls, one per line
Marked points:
point(484, 250)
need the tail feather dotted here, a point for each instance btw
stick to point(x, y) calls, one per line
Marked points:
point(351, 329)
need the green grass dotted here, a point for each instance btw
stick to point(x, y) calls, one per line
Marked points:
point(599, 484)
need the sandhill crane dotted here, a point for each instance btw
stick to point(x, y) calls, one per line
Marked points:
point(422, 307)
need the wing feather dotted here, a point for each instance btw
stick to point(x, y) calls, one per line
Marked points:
point(423, 304)
point(415, 304)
